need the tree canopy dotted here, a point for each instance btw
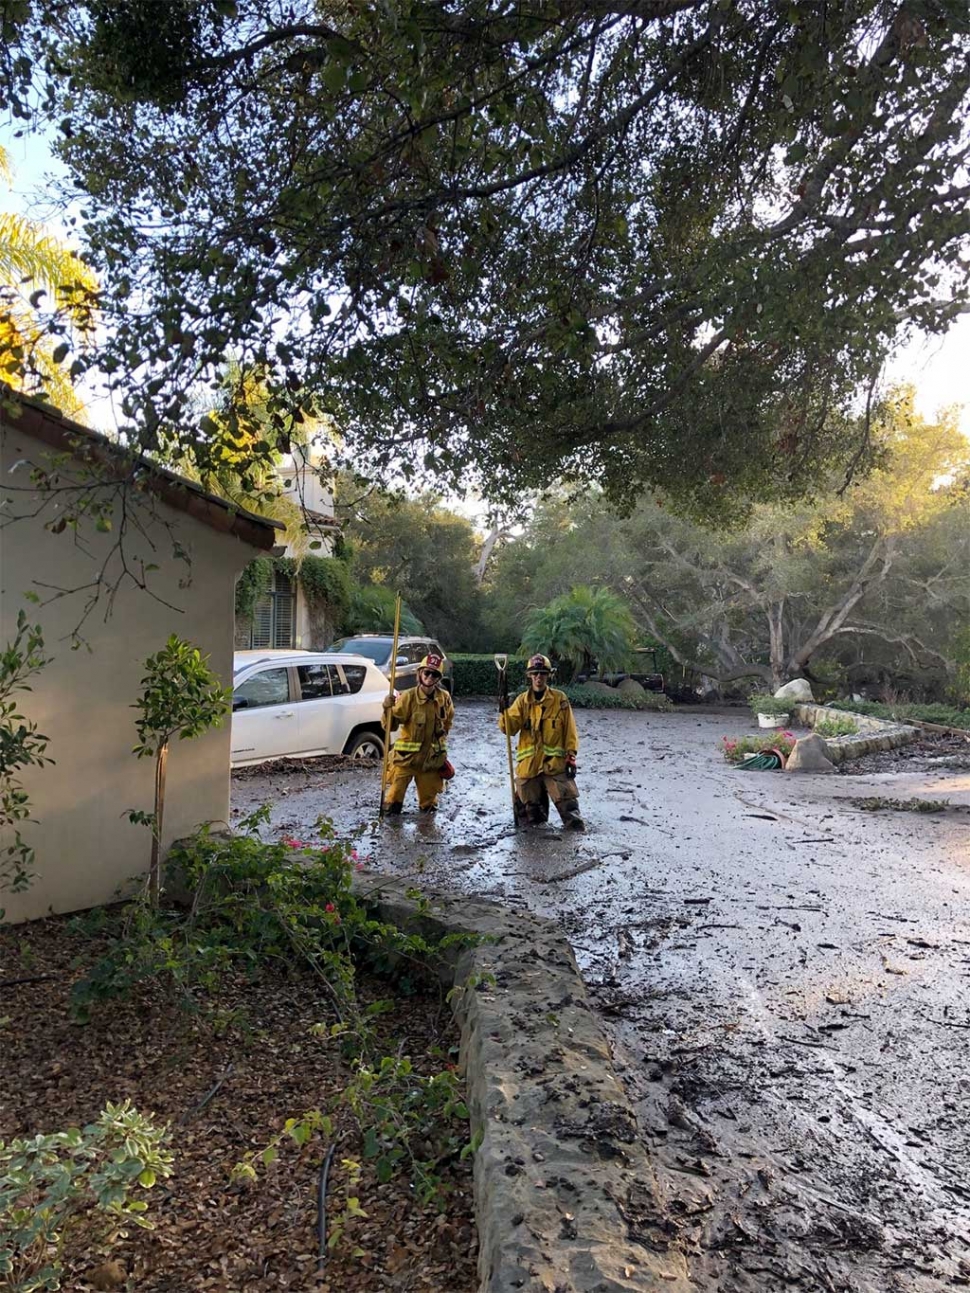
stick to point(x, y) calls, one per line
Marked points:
point(878, 572)
point(653, 242)
point(420, 549)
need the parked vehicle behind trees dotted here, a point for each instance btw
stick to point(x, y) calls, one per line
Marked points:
point(292, 704)
point(410, 652)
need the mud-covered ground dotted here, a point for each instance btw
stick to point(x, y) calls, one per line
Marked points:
point(784, 976)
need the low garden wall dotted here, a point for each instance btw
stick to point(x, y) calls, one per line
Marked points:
point(564, 1191)
point(872, 734)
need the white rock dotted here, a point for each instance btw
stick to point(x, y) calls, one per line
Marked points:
point(798, 691)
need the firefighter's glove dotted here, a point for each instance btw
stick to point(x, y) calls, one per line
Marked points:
point(571, 768)
point(503, 704)
point(388, 702)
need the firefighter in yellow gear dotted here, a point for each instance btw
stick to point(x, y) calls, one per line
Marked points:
point(424, 714)
point(545, 762)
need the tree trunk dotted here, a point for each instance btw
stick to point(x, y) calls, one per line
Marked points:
point(496, 533)
point(776, 637)
point(154, 869)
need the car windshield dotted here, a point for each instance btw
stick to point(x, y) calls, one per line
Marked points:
point(376, 649)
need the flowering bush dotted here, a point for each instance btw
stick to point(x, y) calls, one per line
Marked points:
point(736, 748)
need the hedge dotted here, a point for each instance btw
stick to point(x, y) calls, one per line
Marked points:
point(945, 715)
point(476, 675)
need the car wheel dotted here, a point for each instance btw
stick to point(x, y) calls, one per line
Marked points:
point(365, 745)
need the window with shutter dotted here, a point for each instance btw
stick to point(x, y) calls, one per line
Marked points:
point(274, 617)
point(285, 611)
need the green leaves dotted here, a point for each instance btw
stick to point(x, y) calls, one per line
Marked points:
point(58, 1186)
point(21, 746)
point(180, 696)
point(434, 200)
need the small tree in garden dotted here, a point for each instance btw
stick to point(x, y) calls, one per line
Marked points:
point(182, 697)
point(21, 746)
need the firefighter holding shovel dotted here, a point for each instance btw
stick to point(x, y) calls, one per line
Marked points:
point(545, 761)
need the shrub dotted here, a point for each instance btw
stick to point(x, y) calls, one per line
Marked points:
point(476, 675)
point(581, 697)
point(291, 903)
point(761, 703)
point(944, 715)
point(736, 748)
point(55, 1187)
point(836, 727)
point(371, 610)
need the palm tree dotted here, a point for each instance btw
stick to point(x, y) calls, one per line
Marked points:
point(34, 263)
point(581, 626)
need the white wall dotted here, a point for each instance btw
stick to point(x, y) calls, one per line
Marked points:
point(86, 848)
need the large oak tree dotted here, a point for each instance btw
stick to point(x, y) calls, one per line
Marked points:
point(637, 241)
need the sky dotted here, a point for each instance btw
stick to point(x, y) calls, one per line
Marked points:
point(938, 367)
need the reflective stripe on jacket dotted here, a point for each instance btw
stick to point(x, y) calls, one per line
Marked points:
point(547, 732)
point(425, 723)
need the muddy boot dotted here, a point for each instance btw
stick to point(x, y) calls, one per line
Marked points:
point(569, 812)
point(393, 810)
point(534, 815)
point(426, 812)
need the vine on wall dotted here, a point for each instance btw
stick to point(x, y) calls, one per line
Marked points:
point(325, 582)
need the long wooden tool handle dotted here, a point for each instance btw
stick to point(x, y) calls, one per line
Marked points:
point(387, 712)
point(501, 663)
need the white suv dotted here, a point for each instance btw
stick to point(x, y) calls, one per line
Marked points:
point(291, 704)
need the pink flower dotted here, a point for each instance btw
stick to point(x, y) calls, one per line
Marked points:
point(354, 854)
point(330, 907)
point(291, 843)
point(358, 866)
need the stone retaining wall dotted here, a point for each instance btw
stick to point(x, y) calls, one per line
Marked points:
point(564, 1192)
point(872, 733)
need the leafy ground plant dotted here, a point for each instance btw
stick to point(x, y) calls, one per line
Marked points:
point(944, 715)
point(249, 903)
point(774, 705)
point(56, 1186)
point(737, 748)
point(836, 727)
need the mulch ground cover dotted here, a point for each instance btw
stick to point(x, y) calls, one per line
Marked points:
point(931, 751)
point(225, 1079)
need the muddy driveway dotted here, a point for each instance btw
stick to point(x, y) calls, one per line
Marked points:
point(783, 974)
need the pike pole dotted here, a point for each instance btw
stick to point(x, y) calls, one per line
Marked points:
point(501, 664)
point(387, 712)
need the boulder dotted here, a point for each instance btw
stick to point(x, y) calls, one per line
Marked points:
point(798, 691)
point(599, 688)
point(630, 687)
point(810, 754)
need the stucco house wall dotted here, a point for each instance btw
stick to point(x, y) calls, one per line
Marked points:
point(86, 849)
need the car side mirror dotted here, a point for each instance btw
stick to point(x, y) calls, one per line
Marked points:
point(241, 703)
point(402, 659)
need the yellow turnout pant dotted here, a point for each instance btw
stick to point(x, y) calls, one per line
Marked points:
point(428, 785)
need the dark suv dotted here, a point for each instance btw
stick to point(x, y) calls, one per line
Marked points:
point(410, 652)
